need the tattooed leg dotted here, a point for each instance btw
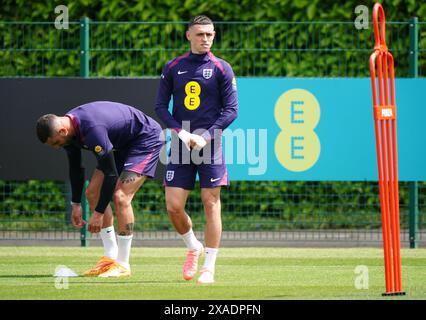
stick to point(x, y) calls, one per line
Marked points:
point(128, 231)
point(129, 177)
point(128, 184)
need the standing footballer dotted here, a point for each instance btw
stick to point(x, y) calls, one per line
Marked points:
point(204, 97)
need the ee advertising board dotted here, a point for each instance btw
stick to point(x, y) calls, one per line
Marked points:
point(320, 129)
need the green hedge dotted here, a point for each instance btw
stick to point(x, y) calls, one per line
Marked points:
point(253, 48)
point(247, 205)
point(171, 10)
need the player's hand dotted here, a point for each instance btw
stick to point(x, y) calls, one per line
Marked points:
point(77, 216)
point(198, 142)
point(95, 222)
point(185, 136)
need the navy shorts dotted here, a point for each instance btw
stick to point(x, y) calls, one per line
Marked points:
point(181, 171)
point(138, 159)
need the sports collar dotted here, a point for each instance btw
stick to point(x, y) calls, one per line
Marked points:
point(199, 57)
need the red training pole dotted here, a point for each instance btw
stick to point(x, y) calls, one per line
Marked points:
point(384, 110)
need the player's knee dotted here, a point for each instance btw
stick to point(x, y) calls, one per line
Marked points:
point(211, 202)
point(121, 199)
point(174, 209)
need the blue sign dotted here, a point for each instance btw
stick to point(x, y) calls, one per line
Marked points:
point(320, 129)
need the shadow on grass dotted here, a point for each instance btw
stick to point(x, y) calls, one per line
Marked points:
point(106, 281)
point(89, 280)
point(27, 276)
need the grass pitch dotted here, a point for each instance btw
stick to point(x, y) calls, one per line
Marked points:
point(241, 273)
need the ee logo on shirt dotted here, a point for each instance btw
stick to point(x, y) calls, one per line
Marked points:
point(192, 100)
point(297, 146)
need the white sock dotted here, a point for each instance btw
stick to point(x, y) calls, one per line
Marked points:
point(124, 245)
point(109, 242)
point(210, 260)
point(191, 241)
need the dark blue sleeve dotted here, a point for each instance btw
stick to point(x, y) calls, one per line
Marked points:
point(76, 172)
point(97, 140)
point(108, 167)
point(164, 94)
point(228, 90)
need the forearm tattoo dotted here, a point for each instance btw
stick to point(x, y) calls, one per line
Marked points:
point(129, 176)
point(129, 230)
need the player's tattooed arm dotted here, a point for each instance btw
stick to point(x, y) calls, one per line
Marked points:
point(128, 177)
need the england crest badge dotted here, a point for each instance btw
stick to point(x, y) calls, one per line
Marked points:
point(207, 73)
point(170, 174)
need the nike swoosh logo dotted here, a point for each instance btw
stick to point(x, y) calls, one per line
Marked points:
point(109, 231)
point(213, 180)
point(182, 72)
point(128, 164)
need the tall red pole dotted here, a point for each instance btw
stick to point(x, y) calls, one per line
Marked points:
point(384, 111)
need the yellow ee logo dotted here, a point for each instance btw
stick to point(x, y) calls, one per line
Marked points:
point(297, 113)
point(192, 100)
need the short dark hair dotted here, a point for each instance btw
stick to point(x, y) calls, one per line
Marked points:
point(46, 127)
point(202, 19)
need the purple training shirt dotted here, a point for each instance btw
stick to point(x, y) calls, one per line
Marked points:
point(102, 126)
point(204, 93)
